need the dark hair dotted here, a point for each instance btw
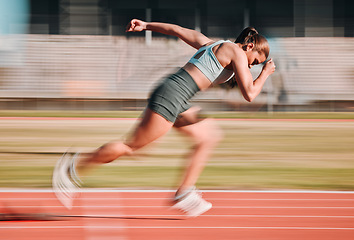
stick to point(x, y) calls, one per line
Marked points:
point(249, 35)
point(245, 35)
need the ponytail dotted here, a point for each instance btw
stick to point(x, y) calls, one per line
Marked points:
point(247, 36)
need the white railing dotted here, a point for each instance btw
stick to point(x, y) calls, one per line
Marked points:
point(58, 66)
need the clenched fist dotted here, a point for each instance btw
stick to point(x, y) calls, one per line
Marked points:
point(136, 25)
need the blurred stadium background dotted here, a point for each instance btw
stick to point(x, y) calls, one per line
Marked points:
point(75, 54)
point(60, 55)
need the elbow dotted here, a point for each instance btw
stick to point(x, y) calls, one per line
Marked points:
point(249, 97)
point(249, 94)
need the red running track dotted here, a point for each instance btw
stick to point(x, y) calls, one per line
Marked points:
point(133, 215)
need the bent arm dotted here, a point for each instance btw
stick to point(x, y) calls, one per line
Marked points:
point(250, 89)
point(191, 37)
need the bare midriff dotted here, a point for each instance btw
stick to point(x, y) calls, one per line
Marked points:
point(200, 79)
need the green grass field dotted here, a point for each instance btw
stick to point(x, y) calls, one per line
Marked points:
point(253, 155)
point(133, 114)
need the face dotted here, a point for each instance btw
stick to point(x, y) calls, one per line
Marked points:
point(254, 58)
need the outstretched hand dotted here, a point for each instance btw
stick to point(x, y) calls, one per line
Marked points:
point(136, 25)
point(269, 67)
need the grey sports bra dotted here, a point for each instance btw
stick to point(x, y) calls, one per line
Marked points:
point(206, 61)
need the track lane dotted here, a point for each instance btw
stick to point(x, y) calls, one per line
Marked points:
point(145, 215)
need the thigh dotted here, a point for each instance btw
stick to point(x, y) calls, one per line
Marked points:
point(151, 127)
point(188, 117)
point(198, 128)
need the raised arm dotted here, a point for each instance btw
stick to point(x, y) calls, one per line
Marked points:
point(191, 37)
point(250, 88)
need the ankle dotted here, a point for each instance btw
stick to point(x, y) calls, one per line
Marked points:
point(183, 191)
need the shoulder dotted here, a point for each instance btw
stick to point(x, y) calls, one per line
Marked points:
point(208, 43)
point(232, 47)
point(233, 51)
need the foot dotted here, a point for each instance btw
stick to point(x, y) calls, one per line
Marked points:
point(72, 170)
point(65, 181)
point(191, 203)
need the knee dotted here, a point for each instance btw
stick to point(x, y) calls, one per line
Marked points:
point(217, 136)
point(113, 150)
point(211, 138)
point(119, 148)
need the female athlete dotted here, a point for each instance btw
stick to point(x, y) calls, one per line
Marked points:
point(214, 63)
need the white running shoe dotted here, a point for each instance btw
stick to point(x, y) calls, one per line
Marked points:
point(72, 169)
point(65, 181)
point(192, 203)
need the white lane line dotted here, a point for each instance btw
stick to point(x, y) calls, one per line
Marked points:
point(171, 227)
point(243, 216)
point(202, 216)
point(104, 215)
point(211, 199)
point(92, 190)
point(227, 207)
point(99, 233)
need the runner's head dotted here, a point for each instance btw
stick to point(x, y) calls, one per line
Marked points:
point(254, 44)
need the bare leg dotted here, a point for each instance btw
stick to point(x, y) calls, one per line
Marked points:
point(65, 179)
point(151, 127)
point(206, 135)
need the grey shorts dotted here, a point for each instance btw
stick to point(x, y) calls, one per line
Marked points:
point(171, 96)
